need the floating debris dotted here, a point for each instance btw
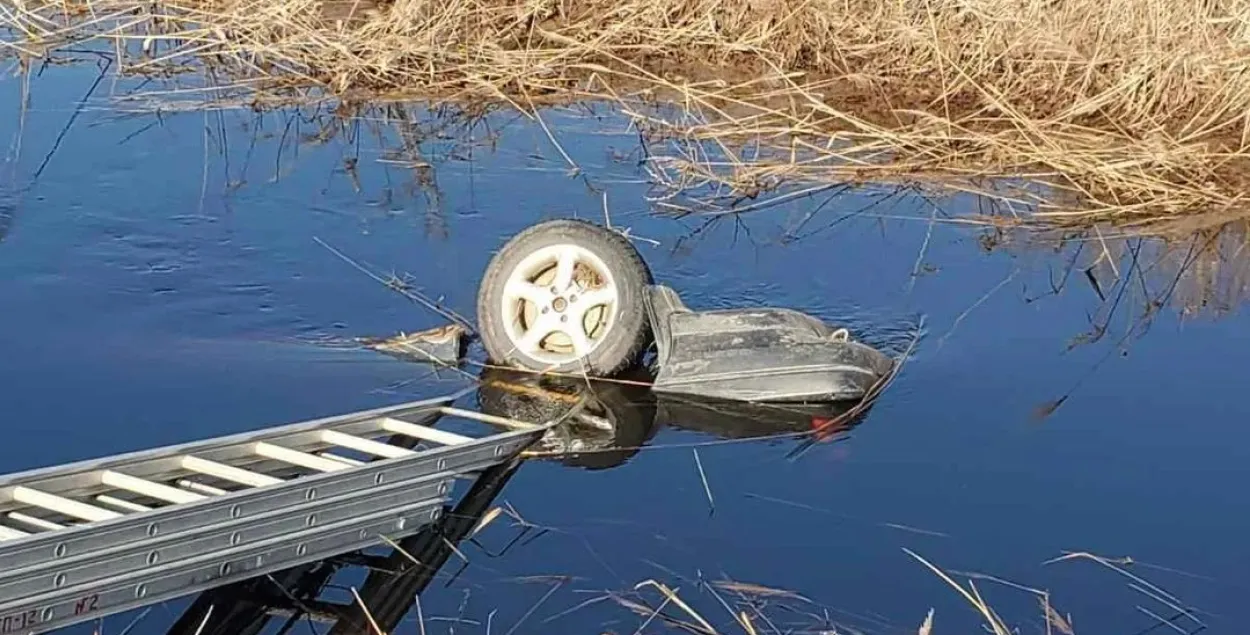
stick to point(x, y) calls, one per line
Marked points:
point(443, 345)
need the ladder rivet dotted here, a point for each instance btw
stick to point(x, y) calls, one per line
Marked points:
point(141, 590)
point(401, 523)
point(434, 513)
point(236, 511)
point(442, 464)
point(58, 581)
point(46, 614)
point(59, 551)
point(310, 494)
point(225, 569)
point(312, 520)
point(364, 533)
point(498, 450)
point(153, 529)
point(301, 549)
point(378, 478)
point(153, 558)
point(235, 538)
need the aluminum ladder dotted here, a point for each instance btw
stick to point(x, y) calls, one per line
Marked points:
point(393, 581)
point(103, 536)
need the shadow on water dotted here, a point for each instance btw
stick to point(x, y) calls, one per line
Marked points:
point(393, 584)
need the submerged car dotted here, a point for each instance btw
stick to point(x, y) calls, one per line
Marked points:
point(573, 296)
point(570, 296)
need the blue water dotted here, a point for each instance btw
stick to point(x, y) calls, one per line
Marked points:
point(162, 281)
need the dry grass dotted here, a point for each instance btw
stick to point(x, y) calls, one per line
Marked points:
point(1131, 111)
point(721, 606)
point(752, 609)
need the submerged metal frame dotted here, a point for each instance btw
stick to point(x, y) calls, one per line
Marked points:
point(103, 536)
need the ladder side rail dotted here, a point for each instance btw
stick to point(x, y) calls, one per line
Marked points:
point(99, 566)
point(38, 548)
point(71, 605)
point(147, 463)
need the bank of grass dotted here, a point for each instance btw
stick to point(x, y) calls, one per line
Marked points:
point(1130, 112)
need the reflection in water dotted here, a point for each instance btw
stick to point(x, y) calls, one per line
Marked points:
point(1134, 278)
point(1191, 264)
point(621, 415)
point(1196, 270)
point(7, 214)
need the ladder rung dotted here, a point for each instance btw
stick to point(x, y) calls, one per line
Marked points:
point(295, 457)
point(9, 533)
point(425, 433)
point(119, 503)
point(507, 422)
point(61, 505)
point(370, 446)
point(31, 521)
point(148, 488)
point(343, 459)
point(202, 488)
point(227, 472)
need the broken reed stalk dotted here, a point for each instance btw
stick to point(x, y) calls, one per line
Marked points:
point(1127, 111)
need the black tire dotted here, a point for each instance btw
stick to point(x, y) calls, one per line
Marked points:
point(629, 332)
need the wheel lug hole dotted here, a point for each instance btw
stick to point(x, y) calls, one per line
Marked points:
point(546, 309)
point(564, 318)
point(554, 290)
point(573, 298)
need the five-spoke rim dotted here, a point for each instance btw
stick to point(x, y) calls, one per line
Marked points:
point(559, 303)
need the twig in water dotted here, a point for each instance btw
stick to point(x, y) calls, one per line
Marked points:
point(926, 627)
point(60, 137)
point(646, 610)
point(555, 587)
point(607, 218)
point(1162, 621)
point(960, 318)
point(706, 489)
point(135, 622)
point(420, 617)
point(404, 552)
point(973, 597)
point(576, 607)
point(368, 615)
point(488, 518)
point(671, 594)
point(204, 622)
point(464, 604)
point(1160, 595)
point(407, 292)
point(654, 613)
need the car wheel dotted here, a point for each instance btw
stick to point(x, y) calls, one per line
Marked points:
point(565, 296)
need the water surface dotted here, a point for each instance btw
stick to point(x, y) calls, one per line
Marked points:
point(163, 282)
